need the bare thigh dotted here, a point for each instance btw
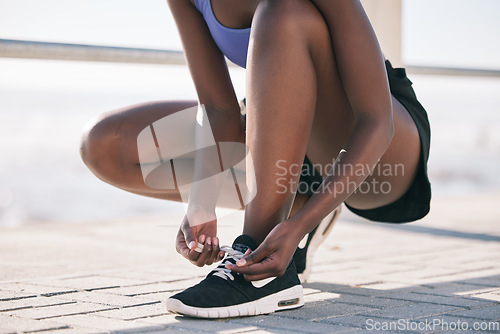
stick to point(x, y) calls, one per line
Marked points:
point(334, 121)
point(110, 150)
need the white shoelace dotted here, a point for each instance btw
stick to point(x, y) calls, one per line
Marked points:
point(231, 253)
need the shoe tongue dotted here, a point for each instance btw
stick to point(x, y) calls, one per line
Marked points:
point(243, 242)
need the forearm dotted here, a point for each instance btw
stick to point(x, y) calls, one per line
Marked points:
point(211, 159)
point(366, 145)
point(361, 66)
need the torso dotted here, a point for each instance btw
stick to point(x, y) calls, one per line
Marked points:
point(234, 14)
point(229, 22)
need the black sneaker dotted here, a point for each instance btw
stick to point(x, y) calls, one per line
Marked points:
point(305, 251)
point(224, 294)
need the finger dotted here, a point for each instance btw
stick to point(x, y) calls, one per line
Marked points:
point(220, 256)
point(190, 238)
point(181, 246)
point(259, 268)
point(215, 251)
point(206, 253)
point(252, 257)
point(194, 254)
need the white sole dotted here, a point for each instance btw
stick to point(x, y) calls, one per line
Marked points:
point(284, 300)
point(324, 229)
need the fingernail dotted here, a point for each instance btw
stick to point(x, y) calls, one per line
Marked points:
point(241, 262)
point(202, 238)
point(216, 241)
point(209, 241)
point(192, 244)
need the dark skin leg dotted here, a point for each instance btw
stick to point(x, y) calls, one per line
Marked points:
point(297, 104)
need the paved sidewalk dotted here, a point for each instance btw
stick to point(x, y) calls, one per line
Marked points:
point(437, 275)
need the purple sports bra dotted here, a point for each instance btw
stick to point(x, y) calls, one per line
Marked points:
point(232, 42)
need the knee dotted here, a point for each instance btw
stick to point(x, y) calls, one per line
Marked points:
point(99, 141)
point(287, 18)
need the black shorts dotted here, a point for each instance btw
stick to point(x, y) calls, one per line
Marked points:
point(415, 203)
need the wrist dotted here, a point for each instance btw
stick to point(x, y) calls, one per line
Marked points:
point(197, 214)
point(296, 228)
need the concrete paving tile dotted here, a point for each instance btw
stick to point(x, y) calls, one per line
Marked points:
point(359, 291)
point(38, 289)
point(374, 302)
point(321, 296)
point(108, 299)
point(309, 291)
point(386, 286)
point(412, 311)
point(487, 281)
point(355, 299)
point(18, 324)
point(429, 273)
point(157, 296)
point(270, 331)
point(452, 288)
point(365, 269)
point(147, 276)
point(92, 282)
point(58, 310)
point(486, 313)
point(436, 299)
point(275, 321)
point(79, 330)
point(26, 303)
point(332, 277)
point(100, 323)
point(152, 288)
point(198, 325)
point(157, 330)
point(477, 290)
point(492, 297)
point(319, 310)
point(134, 312)
point(355, 321)
point(325, 286)
point(446, 323)
point(13, 295)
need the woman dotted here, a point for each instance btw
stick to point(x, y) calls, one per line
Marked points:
point(317, 85)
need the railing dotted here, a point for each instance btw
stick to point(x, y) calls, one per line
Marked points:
point(63, 51)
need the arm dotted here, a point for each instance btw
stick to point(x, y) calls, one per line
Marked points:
point(361, 66)
point(362, 69)
point(215, 91)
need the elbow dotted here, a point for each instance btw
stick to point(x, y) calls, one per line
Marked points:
point(381, 128)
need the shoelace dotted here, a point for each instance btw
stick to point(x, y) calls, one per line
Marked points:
point(231, 254)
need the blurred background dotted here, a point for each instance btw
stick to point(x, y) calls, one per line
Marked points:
point(451, 49)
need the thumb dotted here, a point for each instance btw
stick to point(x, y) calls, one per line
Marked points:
point(190, 237)
point(252, 257)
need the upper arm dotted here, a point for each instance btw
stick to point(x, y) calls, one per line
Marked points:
point(205, 61)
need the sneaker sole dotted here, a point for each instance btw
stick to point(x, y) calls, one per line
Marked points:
point(284, 300)
point(322, 232)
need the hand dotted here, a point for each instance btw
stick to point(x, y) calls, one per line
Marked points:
point(273, 255)
point(205, 233)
